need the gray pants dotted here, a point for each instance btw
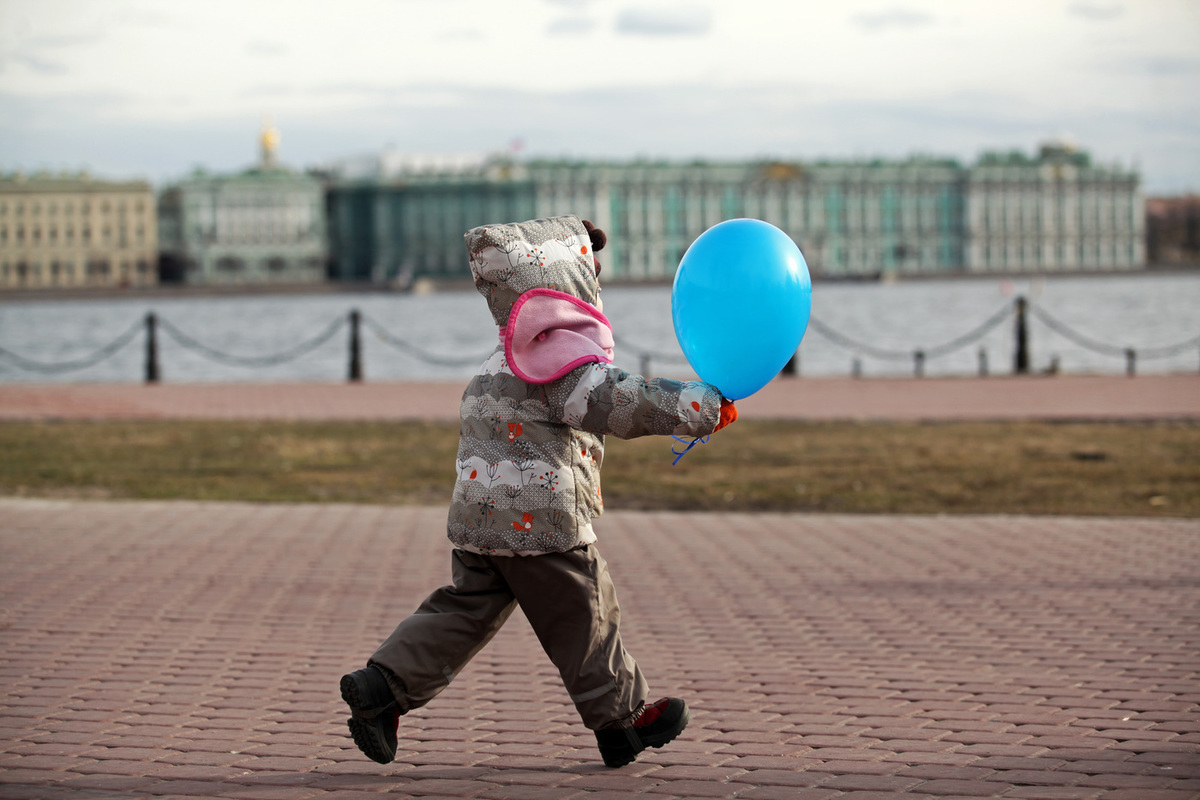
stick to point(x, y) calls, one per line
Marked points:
point(571, 604)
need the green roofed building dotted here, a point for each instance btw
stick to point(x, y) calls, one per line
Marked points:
point(265, 225)
point(407, 220)
point(1054, 213)
point(929, 216)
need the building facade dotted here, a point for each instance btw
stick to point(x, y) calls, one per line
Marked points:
point(1054, 213)
point(848, 219)
point(399, 226)
point(1006, 213)
point(1173, 231)
point(263, 226)
point(74, 231)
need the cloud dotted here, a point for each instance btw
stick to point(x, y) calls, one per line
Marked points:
point(896, 17)
point(39, 65)
point(1096, 12)
point(260, 47)
point(571, 26)
point(148, 17)
point(677, 20)
point(1167, 66)
point(269, 91)
point(680, 121)
point(59, 41)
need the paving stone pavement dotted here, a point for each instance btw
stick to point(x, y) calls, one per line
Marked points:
point(190, 649)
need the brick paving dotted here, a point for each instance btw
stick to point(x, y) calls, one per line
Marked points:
point(1061, 397)
point(190, 649)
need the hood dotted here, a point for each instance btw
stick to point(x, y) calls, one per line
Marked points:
point(509, 260)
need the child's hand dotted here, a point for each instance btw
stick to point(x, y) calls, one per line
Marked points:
point(728, 414)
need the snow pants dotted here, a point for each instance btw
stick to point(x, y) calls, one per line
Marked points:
point(571, 604)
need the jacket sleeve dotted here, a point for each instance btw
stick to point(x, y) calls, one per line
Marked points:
point(604, 399)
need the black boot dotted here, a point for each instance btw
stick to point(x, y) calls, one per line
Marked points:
point(375, 714)
point(655, 726)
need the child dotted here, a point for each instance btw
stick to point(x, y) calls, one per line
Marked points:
point(532, 440)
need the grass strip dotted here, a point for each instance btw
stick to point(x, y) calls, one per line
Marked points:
point(1109, 469)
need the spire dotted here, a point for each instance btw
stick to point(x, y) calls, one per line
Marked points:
point(268, 142)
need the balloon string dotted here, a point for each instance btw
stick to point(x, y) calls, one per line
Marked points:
point(681, 453)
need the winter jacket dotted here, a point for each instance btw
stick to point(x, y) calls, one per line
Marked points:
point(533, 419)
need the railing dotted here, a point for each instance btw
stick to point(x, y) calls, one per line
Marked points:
point(1017, 311)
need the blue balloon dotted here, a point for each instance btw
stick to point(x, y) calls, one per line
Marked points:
point(740, 303)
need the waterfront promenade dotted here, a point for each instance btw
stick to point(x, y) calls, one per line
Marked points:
point(1059, 397)
point(186, 649)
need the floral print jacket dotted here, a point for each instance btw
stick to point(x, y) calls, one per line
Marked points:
point(529, 454)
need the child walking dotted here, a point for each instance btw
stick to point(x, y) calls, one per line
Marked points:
point(533, 422)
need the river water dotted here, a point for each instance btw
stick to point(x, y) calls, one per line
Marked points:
point(444, 336)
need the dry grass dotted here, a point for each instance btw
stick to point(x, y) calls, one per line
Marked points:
point(1017, 468)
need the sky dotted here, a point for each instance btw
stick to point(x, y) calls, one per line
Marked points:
point(155, 88)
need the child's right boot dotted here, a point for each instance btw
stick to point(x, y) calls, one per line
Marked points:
point(654, 727)
point(375, 714)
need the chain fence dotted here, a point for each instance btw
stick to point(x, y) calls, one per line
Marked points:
point(273, 359)
point(354, 320)
point(404, 346)
point(919, 355)
point(74, 365)
point(1061, 328)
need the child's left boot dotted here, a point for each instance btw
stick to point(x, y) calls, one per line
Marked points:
point(654, 727)
point(375, 714)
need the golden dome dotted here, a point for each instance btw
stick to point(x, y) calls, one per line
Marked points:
point(269, 142)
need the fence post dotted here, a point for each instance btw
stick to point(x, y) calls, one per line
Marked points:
point(152, 371)
point(983, 364)
point(856, 368)
point(791, 366)
point(919, 363)
point(1130, 362)
point(356, 372)
point(1021, 356)
point(644, 365)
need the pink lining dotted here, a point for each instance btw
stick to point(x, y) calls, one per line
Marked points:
point(550, 333)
